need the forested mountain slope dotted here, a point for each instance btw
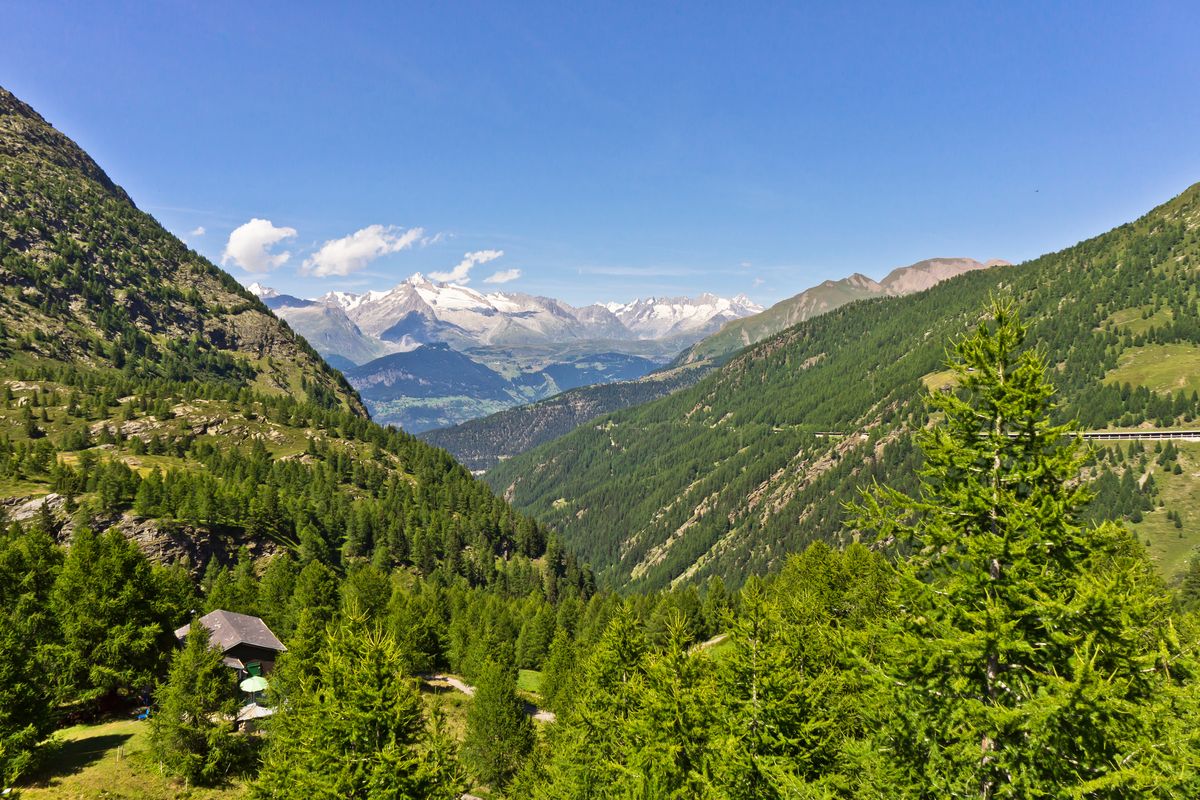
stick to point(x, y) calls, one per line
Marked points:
point(143, 385)
point(728, 476)
point(483, 443)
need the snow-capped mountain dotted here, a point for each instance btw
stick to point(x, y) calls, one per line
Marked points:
point(668, 317)
point(419, 311)
point(416, 351)
point(260, 291)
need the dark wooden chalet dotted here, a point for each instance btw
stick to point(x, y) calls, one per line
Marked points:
point(245, 641)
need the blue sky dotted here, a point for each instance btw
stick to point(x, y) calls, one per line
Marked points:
point(619, 150)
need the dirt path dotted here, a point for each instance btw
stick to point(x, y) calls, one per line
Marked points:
point(458, 684)
point(713, 642)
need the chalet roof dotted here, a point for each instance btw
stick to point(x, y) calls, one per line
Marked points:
point(228, 629)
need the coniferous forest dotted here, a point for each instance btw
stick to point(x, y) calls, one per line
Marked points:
point(872, 556)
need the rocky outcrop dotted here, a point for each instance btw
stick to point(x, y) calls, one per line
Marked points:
point(163, 542)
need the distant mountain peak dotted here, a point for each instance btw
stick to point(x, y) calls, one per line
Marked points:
point(825, 297)
point(260, 291)
point(925, 274)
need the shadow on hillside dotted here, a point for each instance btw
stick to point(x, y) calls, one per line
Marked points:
point(68, 757)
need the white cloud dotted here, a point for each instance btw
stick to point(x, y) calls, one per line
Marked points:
point(503, 276)
point(199, 231)
point(352, 253)
point(758, 282)
point(462, 272)
point(249, 244)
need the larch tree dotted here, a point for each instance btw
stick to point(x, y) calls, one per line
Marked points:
point(29, 562)
point(1033, 656)
point(353, 727)
point(116, 632)
point(192, 727)
point(499, 733)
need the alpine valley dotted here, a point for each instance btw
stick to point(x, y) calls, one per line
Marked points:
point(760, 571)
point(759, 458)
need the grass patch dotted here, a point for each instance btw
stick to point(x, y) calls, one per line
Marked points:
point(453, 705)
point(1131, 320)
point(938, 381)
point(112, 760)
point(1161, 368)
point(1172, 548)
point(721, 650)
point(11, 487)
point(529, 680)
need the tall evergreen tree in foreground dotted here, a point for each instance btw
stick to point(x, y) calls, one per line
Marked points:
point(193, 725)
point(29, 563)
point(1034, 657)
point(116, 623)
point(353, 727)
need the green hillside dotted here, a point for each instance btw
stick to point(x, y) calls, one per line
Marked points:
point(482, 443)
point(728, 476)
point(145, 387)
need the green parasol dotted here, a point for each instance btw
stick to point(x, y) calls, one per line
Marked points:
point(254, 683)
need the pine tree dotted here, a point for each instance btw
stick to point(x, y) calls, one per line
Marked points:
point(28, 565)
point(354, 728)
point(116, 631)
point(1034, 655)
point(559, 673)
point(192, 727)
point(499, 733)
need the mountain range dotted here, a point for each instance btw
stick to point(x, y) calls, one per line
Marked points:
point(482, 443)
point(419, 311)
point(536, 346)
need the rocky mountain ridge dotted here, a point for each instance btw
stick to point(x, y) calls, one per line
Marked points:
point(827, 296)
